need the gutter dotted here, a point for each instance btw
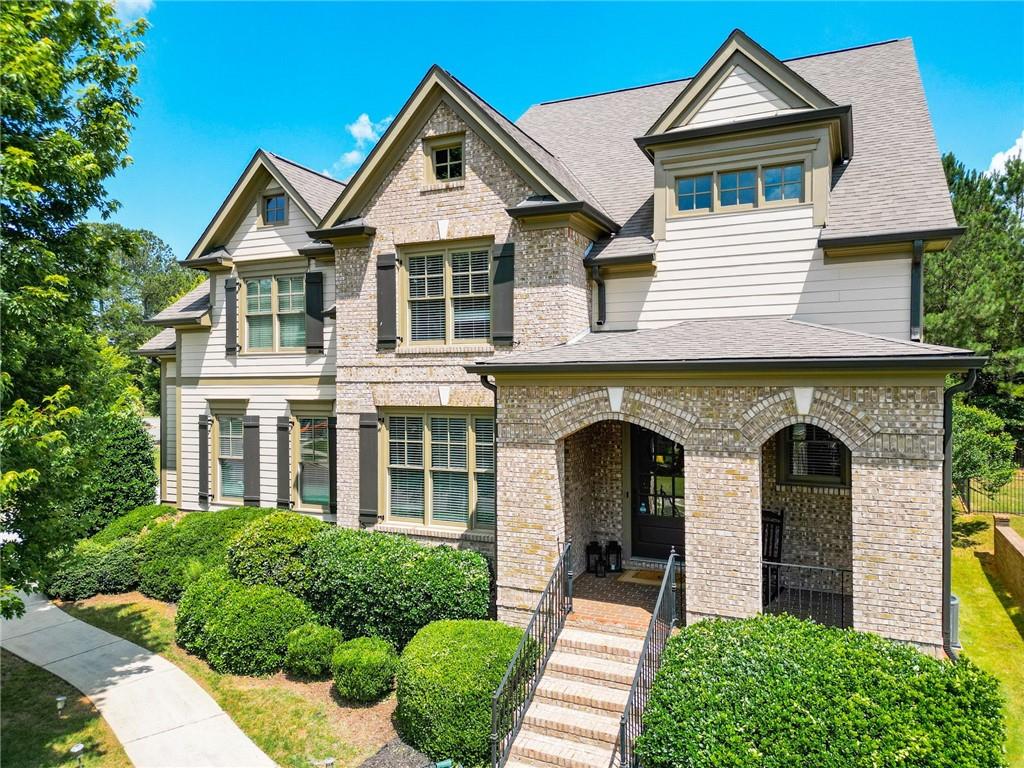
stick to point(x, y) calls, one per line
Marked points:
point(890, 238)
point(552, 207)
point(947, 506)
point(494, 389)
point(595, 275)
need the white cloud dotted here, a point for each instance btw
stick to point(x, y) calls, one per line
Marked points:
point(366, 131)
point(999, 159)
point(132, 9)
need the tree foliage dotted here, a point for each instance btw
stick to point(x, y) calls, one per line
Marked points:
point(981, 448)
point(66, 106)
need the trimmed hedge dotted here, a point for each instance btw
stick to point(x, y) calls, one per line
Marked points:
point(92, 568)
point(446, 677)
point(133, 523)
point(364, 668)
point(309, 648)
point(270, 551)
point(776, 692)
point(198, 603)
point(175, 551)
point(385, 585)
point(246, 632)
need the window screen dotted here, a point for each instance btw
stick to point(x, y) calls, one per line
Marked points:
point(471, 303)
point(230, 456)
point(449, 478)
point(291, 309)
point(485, 500)
point(258, 314)
point(426, 298)
point(405, 467)
point(314, 467)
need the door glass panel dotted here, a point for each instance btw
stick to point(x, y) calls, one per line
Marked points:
point(658, 475)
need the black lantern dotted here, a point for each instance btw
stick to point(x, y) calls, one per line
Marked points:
point(602, 568)
point(613, 556)
point(593, 556)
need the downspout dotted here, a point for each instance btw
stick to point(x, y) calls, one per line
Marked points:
point(494, 389)
point(595, 275)
point(947, 505)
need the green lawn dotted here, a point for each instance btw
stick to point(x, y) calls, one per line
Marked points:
point(33, 733)
point(292, 721)
point(991, 623)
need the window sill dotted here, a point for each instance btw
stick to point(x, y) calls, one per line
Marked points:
point(437, 532)
point(445, 349)
point(440, 186)
point(281, 353)
point(676, 215)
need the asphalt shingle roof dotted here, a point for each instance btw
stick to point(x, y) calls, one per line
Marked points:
point(317, 190)
point(192, 306)
point(893, 183)
point(724, 340)
point(163, 342)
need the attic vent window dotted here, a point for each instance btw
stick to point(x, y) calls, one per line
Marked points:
point(274, 211)
point(448, 162)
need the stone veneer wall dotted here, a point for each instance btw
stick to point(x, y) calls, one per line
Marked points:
point(550, 292)
point(593, 487)
point(894, 432)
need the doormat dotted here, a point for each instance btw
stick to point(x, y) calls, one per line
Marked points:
point(647, 578)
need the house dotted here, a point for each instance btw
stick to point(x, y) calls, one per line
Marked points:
point(680, 315)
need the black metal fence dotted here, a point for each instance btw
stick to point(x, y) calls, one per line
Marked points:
point(1007, 500)
point(514, 694)
point(664, 618)
point(824, 595)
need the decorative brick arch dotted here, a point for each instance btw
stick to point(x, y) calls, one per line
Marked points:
point(769, 415)
point(654, 413)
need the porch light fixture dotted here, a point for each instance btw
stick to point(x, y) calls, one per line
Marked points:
point(77, 752)
point(593, 556)
point(613, 556)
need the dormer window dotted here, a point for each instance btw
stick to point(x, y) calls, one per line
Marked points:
point(732, 189)
point(693, 193)
point(737, 188)
point(784, 182)
point(275, 210)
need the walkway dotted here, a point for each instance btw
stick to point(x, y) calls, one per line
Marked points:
point(161, 716)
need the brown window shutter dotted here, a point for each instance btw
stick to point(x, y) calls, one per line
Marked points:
point(204, 458)
point(314, 313)
point(231, 317)
point(387, 335)
point(368, 469)
point(284, 462)
point(251, 460)
point(502, 309)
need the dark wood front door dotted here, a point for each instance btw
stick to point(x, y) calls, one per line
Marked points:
point(656, 494)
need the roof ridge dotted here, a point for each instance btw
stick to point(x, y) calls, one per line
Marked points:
point(683, 79)
point(302, 167)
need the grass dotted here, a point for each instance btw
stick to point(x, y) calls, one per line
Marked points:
point(991, 622)
point(293, 721)
point(33, 733)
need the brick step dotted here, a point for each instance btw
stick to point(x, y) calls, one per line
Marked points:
point(591, 669)
point(576, 694)
point(607, 625)
point(600, 644)
point(572, 724)
point(540, 749)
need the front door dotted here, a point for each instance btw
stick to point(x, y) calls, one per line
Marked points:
point(656, 494)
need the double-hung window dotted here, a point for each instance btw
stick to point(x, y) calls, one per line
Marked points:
point(275, 313)
point(449, 297)
point(441, 470)
point(230, 457)
point(314, 466)
point(811, 455)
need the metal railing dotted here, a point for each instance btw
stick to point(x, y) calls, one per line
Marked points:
point(514, 694)
point(663, 619)
point(808, 592)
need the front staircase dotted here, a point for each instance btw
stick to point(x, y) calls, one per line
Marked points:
point(573, 720)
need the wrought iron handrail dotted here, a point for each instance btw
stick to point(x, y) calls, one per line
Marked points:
point(663, 619)
point(514, 694)
point(821, 593)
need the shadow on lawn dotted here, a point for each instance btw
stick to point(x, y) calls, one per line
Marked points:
point(988, 566)
point(126, 621)
point(965, 532)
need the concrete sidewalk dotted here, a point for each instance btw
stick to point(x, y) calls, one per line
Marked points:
point(160, 715)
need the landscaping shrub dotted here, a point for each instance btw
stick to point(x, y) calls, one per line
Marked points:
point(92, 568)
point(173, 552)
point(132, 523)
point(776, 692)
point(246, 632)
point(125, 477)
point(364, 668)
point(309, 648)
point(197, 605)
point(446, 677)
point(385, 585)
point(271, 550)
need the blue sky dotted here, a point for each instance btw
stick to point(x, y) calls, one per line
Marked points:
point(218, 80)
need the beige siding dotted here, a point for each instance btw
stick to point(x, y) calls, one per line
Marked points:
point(169, 430)
point(761, 263)
point(268, 401)
point(252, 241)
point(740, 96)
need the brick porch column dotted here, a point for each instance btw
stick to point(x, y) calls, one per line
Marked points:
point(530, 524)
point(723, 535)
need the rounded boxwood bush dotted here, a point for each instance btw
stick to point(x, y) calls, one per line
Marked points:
point(270, 550)
point(364, 668)
point(385, 585)
point(133, 523)
point(197, 605)
point(246, 632)
point(309, 648)
point(92, 568)
point(171, 552)
point(778, 692)
point(446, 677)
